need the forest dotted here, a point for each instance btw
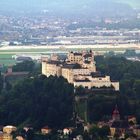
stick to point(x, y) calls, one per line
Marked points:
point(39, 100)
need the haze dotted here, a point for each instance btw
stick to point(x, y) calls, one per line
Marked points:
point(71, 7)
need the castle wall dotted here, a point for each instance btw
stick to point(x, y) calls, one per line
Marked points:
point(81, 72)
point(116, 85)
point(68, 74)
point(97, 82)
point(79, 77)
point(83, 84)
point(44, 68)
point(75, 58)
point(51, 69)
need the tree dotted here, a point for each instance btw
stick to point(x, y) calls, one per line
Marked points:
point(80, 90)
point(123, 70)
point(137, 87)
point(98, 133)
point(24, 66)
point(1, 82)
point(130, 53)
point(39, 101)
point(30, 134)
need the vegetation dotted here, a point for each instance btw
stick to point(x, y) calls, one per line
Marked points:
point(38, 101)
point(1, 82)
point(128, 24)
point(28, 66)
point(99, 133)
point(100, 106)
point(42, 101)
point(24, 66)
point(125, 71)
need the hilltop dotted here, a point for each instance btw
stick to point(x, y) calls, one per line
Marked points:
point(133, 3)
point(72, 7)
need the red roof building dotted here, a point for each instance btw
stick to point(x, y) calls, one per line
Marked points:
point(116, 114)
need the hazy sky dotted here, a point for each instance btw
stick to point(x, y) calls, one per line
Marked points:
point(45, 3)
point(63, 5)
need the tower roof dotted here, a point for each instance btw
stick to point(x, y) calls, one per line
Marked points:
point(116, 111)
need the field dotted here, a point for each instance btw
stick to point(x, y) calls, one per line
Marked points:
point(6, 59)
point(7, 53)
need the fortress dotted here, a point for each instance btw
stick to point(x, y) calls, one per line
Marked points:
point(79, 69)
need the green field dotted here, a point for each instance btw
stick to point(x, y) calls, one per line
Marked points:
point(6, 55)
point(15, 51)
point(6, 59)
point(81, 109)
point(9, 62)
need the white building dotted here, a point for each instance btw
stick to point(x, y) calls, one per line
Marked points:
point(80, 70)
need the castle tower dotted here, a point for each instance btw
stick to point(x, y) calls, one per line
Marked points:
point(44, 67)
point(116, 114)
point(88, 61)
point(93, 63)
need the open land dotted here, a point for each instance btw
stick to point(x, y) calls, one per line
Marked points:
point(7, 52)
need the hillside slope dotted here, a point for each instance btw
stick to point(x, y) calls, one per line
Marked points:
point(73, 7)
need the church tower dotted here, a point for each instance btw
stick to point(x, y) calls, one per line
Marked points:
point(116, 114)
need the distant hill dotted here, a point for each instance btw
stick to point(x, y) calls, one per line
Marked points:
point(133, 3)
point(73, 7)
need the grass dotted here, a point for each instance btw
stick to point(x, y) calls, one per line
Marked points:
point(81, 108)
point(6, 55)
point(8, 62)
point(54, 50)
point(6, 59)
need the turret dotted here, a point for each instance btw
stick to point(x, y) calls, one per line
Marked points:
point(116, 114)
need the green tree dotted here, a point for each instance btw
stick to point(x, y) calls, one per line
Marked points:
point(1, 82)
point(39, 101)
point(137, 87)
point(24, 66)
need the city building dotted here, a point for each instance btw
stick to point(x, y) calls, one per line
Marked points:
point(46, 130)
point(116, 114)
point(1, 135)
point(9, 129)
point(79, 69)
point(119, 127)
point(12, 77)
point(67, 131)
point(7, 136)
point(136, 130)
point(20, 138)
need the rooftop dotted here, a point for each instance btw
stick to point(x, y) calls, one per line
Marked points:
point(82, 80)
point(76, 53)
point(97, 74)
point(72, 66)
point(120, 124)
point(87, 55)
point(54, 62)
